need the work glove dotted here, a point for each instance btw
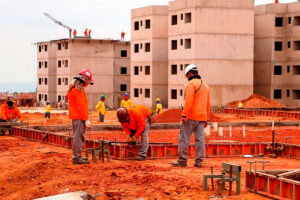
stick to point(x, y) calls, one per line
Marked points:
point(88, 123)
point(184, 119)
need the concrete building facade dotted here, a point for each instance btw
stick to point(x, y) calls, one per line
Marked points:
point(217, 36)
point(108, 60)
point(149, 55)
point(277, 52)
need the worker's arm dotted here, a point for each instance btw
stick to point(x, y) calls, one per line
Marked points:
point(122, 103)
point(208, 105)
point(19, 114)
point(125, 128)
point(141, 123)
point(2, 114)
point(129, 103)
point(189, 98)
point(98, 107)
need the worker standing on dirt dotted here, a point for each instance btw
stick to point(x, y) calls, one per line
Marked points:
point(135, 122)
point(194, 117)
point(10, 113)
point(79, 113)
point(126, 102)
point(48, 109)
point(158, 106)
point(100, 107)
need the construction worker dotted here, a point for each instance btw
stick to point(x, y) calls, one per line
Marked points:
point(79, 113)
point(126, 102)
point(48, 108)
point(240, 104)
point(10, 113)
point(100, 107)
point(90, 31)
point(135, 123)
point(194, 117)
point(122, 36)
point(74, 33)
point(158, 106)
point(86, 32)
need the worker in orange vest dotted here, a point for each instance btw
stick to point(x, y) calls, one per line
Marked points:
point(90, 32)
point(194, 117)
point(135, 122)
point(122, 36)
point(86, 32)
point(79, 113)
point(10, 113)
point(74, 33)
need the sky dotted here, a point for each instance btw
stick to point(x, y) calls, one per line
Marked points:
point(22, 23)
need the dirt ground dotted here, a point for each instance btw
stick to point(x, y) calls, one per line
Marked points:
point(30, 170)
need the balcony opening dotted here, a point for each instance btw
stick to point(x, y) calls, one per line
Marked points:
point(277, 70)
point(181, 42)
point(147, 93)
point(173, 94)
point(40, 81)
point(290, 20)
point(174, 19)
point(136, 48)
point(188, 18)
point(141, 46)
point(66, 45)
point(123, 87)
point(297, 21)
point(46, 81)
point(277, 94)
point(173, 69)
point(296, 94)
point(40, 48)
point(181, 67)
point(147, 47)
point(278, 46)
point(59, 81)
point(66, 63)
point(174, 44)
point(181, 92)
point(136, 92)
point(278, 21)
point(123, 70)
point(141, 68)
point(296, 45)
point(289, 44)
point(148, 24)
point(147, 70)
point(46, 97)
point(296, 69)
point(59, 63)
point(58, 98)
point(40, 64)
point(181, 17)
point(46, 64)
point(59, 46)
point(124, 53)
point(288, 69)
point(187, 43)
point(46, 48)
point(288, 93)
point(136, 26)
point(141, 23)
point(40, 97)
point(141, 91)
point(136, 70)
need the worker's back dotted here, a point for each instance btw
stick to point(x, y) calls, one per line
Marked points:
point(197, 101)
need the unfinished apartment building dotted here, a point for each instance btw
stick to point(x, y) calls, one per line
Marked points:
point(216, 36)
point(277, 52)
point(108, 60)
point(149, 55)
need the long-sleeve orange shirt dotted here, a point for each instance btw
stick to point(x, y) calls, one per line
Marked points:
point(197, 105)
point(78, 104)
point(8, 114)
point(137, 120)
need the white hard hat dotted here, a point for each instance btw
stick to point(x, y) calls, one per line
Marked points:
point(189, 68)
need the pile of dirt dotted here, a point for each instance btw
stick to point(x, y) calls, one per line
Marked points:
point(169, 116)
point(256, 101)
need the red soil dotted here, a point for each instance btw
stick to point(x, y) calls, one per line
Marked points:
point(256, 101)
point(169, 116)
point(31, 170)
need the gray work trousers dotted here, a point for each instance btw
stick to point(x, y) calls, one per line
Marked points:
point(78, 137)
point(184, 140)
point(145, 141)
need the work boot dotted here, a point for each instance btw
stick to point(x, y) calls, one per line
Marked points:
point(140, 158)
point(84, 158)
point(199, 165)
point(178, 164)
point(80, 162)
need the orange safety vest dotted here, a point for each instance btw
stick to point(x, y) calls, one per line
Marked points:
point(78, 104)
point(8, 114)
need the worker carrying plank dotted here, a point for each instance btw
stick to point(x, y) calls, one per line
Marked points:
point(126, 102)
point(100, 107)
point(10, 113)
point(79, 113)
point(135, 122)
point(158, 106)
point(194, 117)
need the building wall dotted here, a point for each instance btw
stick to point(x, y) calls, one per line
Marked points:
point(275, 70)
point(217, 36)
point(153, 84)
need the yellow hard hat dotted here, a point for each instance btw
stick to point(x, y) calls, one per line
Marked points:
point(157, 99)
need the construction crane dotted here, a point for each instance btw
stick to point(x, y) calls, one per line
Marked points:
point(60, 23)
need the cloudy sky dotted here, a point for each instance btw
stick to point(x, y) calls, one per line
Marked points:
point(22, 23)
